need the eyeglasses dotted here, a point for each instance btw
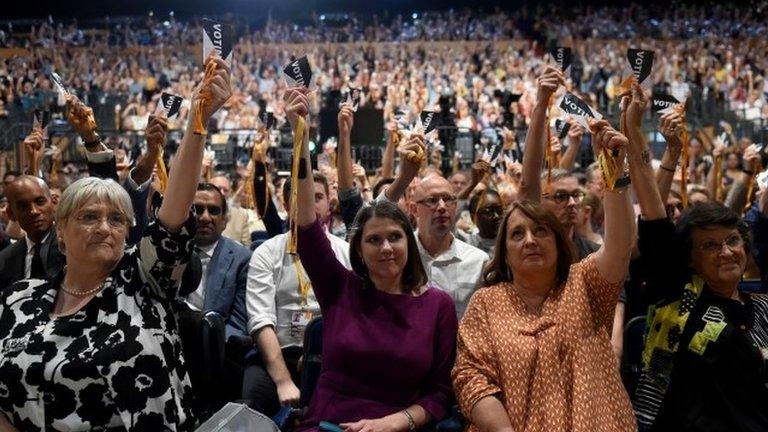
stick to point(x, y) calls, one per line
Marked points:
point(212, 210)
point(733, 242)
point(433, 201)
point(562, 196)
point(93, 219)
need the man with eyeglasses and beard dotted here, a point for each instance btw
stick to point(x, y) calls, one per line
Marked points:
point(451, 264)
point(564, 201)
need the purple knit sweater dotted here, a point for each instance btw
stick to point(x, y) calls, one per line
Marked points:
point(381, 352)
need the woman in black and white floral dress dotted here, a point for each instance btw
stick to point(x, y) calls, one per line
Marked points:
point(97, 347)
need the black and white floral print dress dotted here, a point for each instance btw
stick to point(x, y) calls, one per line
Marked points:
point(114, 365)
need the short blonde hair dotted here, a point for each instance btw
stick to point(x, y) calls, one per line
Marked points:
point(86, 189)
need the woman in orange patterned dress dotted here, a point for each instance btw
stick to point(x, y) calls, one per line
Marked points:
point(534, 350)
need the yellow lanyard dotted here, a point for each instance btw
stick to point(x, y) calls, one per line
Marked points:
point(304, 284)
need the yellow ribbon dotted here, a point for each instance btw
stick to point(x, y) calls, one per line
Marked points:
point(162, 172)
point(548, 149)
point(250, 190)
point(751, 185)
point(298, 142)
point(718, 176)
point(210, 68)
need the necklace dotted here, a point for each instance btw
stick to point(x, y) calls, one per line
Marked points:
point(81, 293)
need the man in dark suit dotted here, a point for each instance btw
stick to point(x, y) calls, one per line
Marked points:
point(221, 289)
point(224, 263)
point(37, 255)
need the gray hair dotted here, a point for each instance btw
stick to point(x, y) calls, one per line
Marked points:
point(106, 191)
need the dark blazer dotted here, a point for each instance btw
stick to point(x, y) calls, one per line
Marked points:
point(12, 260)
point(225, 284)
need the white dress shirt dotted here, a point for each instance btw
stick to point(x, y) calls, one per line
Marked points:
point(272, 296)
point(196, 299)
point(31, 254)
point(456, 271)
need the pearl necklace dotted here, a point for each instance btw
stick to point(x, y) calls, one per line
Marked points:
point(81, 293)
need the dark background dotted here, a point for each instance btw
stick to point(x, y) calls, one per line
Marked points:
point(281, 9)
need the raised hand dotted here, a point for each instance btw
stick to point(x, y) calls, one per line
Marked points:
point(80, 116)
point(575, 133)
point(609, 139)
point(638, 104)
point(156, 132)
point(33, 143)
point(412, 154)
point(346, 119)
point(216, 88)
point(751, 157)
point(670, 127)
point(296, 104)
point(555, 146)
point(548, 83)
point(479, 170)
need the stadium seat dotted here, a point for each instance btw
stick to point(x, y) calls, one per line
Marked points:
point(634, 341)
point(203, 340)
point(313, 356)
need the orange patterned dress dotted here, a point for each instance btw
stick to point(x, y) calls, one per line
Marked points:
point(554, 372)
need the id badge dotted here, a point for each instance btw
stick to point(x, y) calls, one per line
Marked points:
point(299, 321)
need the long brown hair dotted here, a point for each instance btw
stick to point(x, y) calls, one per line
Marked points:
point(414, 276)
point(497, 269)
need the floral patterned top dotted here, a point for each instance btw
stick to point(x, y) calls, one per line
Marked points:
point(115, 364)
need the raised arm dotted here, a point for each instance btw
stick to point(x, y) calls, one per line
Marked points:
point(388, 158)
point(344, 151)
point(34, 146)
point(612, 260)
point(533, 159)
point(671, 122)
point(296, 107)
point(713, 176)
point(480, 169)
point(640, 170)
point(182, 181)
point(313, 246)
point(575, 134)
point(350, 199)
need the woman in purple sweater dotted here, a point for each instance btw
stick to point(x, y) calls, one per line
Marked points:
point(388, 339)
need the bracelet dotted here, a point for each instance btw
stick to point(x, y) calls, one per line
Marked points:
point(92, 144)
point(672, 170)
point(411, 423)
point(622, 182)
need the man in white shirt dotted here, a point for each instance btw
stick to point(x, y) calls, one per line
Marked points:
point(280, 304)
point(451, 264)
